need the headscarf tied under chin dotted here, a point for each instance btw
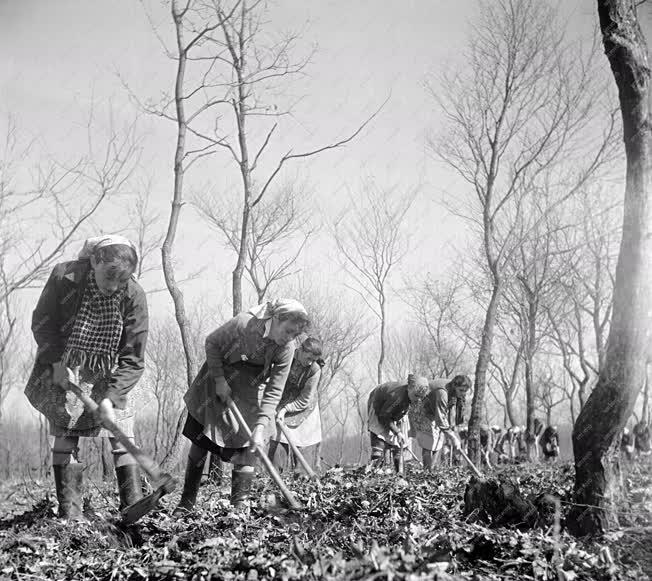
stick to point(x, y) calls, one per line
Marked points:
point(277, 308)
point(93, 244)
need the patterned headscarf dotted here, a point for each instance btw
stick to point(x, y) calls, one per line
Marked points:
point(418, 385)
point(95, 338)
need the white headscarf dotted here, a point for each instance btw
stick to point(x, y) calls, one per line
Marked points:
point(93, 244)
point(278, 307)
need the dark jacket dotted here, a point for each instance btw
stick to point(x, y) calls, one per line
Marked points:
point(54, 317)
point(390, 402)
point(240, 342)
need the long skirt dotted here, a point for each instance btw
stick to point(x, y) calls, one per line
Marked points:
point(66, 414)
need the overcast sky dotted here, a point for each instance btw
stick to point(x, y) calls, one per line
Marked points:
point(60, 56)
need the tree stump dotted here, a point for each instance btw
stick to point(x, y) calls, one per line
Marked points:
point(498, 502)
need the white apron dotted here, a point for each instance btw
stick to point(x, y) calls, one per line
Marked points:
point(307, 433)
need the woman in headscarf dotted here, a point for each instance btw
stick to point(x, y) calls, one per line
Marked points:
point(388, 425)
point(436, 407)
point(248, 359)
point(298, 407)
point(91, 318)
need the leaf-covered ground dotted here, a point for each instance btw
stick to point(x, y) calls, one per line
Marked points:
point(356, 525)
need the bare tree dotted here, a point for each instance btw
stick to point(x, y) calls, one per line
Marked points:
point(240, 69)
point(514, 115)
point(278, 223)
point(536, 267)
point(437, 307)
point(372, 240)
point(612, 401)
point(70, 194)
point(166, 382)
point(548, 393)
point(145, 223)
point(505, 370)
point(410, 352)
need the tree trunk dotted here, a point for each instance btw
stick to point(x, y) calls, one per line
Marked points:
point(238, 271)
point(173, 454)
point(245, 171)
point(529, 382)
point(645, 414)
point(108, 465)
point(509, 394)
point(482, 364)
point(509, 409)
point(381, 356)
point(612, 401)
point(571, 400)
point(582, 391)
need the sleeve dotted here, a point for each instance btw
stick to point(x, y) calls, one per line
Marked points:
point(131, 357)
point(437, 408)
point(309, 390)
point(275, 385)
point(218, 344)
point(50, 344)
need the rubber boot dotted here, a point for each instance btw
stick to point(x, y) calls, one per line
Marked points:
point(377, 460)
point(129, 486)
point(68, 482)
point(216, 470)
point(191, 486)
point(427, 459)
point(241, 488)
point(397, 457)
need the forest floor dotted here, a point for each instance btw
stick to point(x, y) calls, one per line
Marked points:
point(356, 525)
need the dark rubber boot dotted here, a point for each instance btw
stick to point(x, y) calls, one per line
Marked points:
point(68, 482)
point(241, 488)
point(427, 459)
point(191, 486)
point(129, 486)
point(397, 458)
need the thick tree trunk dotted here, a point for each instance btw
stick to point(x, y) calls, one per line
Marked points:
point(482, 364)
point(628, 347)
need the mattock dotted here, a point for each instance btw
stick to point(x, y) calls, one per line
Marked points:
point(287, 493)
point(472, 466)
point(296, 451)
point(161, 481)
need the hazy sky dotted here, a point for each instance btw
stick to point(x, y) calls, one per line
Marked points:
point(59, 56)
